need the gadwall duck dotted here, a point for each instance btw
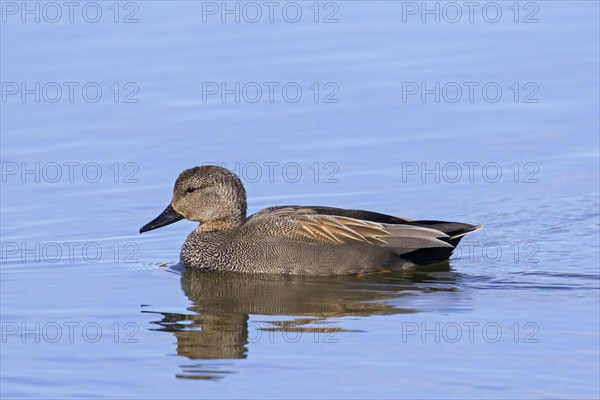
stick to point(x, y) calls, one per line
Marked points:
point(295, 240)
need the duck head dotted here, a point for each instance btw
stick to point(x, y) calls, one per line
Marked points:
point(211, 195)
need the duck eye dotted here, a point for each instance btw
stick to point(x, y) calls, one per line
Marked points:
point(190, 190)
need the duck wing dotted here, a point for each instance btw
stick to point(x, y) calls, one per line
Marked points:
point(455, 230)
point(311, 224)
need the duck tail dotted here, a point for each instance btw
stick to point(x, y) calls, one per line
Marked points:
point(455, 231)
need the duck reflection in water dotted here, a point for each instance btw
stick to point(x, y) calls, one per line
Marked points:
point(218, 326)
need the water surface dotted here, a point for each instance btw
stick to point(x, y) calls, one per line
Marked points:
point(92, 309)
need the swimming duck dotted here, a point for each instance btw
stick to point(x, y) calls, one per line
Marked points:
point(295, 240)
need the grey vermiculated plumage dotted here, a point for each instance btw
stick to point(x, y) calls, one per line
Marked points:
point(297, 240)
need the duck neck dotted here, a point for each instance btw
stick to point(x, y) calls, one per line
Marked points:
point(222, 224)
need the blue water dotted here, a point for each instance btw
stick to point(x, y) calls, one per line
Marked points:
point(90, 308)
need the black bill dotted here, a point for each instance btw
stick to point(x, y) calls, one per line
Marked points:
point(168, 216)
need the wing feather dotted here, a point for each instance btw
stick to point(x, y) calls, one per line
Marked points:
point(297, 223)
point(399, 239)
